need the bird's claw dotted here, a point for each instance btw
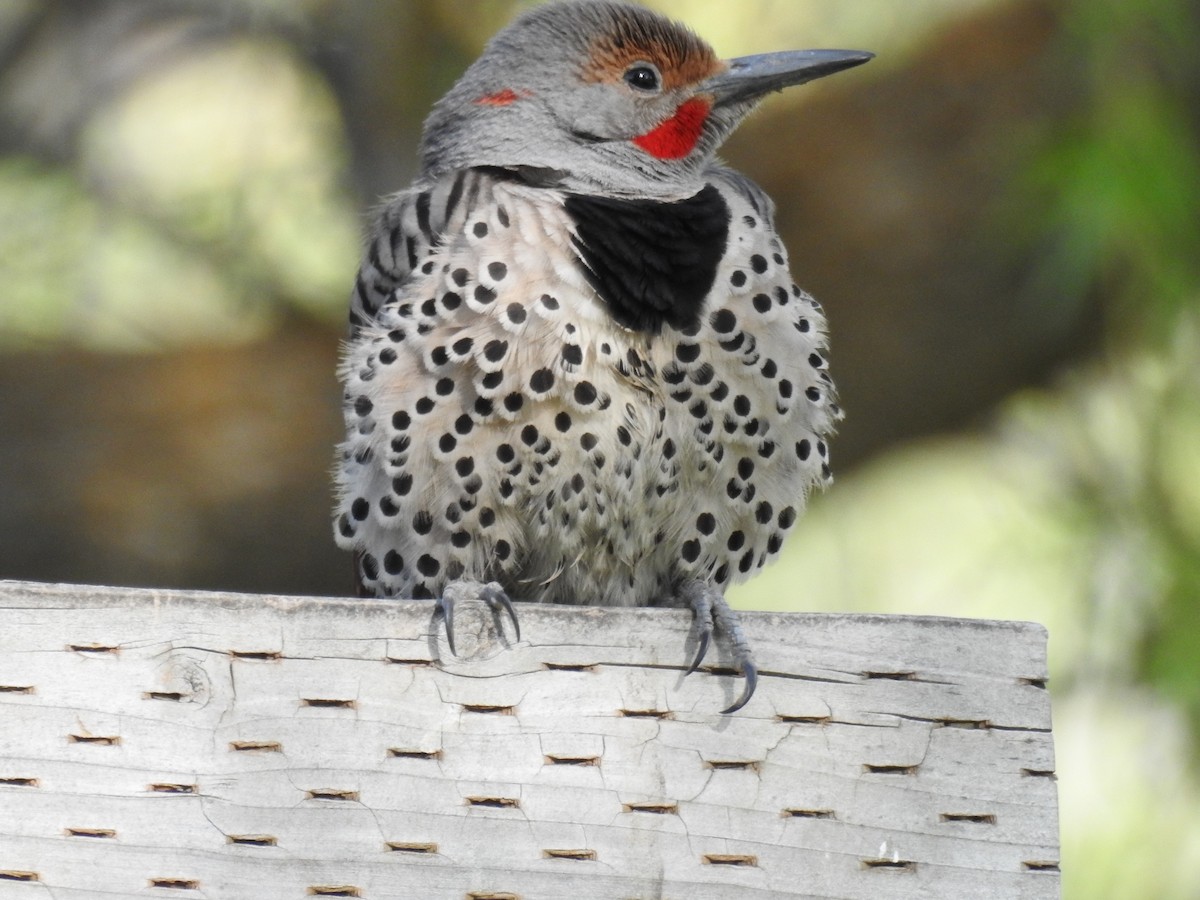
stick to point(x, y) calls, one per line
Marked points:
point(750, 672)
point(702, 649)
point(492, 594)
point(710, 608)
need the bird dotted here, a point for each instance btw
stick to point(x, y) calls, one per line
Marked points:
point(578, 369)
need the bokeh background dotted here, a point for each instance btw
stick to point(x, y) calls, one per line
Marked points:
point(1001, 215)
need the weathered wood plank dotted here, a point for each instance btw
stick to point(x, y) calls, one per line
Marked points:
point(229, 746)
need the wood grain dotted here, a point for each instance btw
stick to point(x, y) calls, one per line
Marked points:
point(232, 746)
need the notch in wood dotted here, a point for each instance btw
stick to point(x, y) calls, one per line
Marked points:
point(173, 696)
point(17, 875)
point(729, 859)
point(568, 667)
point(252, 840)
point(970, 818)
point(492, 895)
point(164, 787)
point(658, 809)
point(799, 813)
point(256, 746)
point(494, 802)
point(404, 753)
point(1040, 865)
point(398, 661)
point(333, 794)
point(488, 709)
point(1039, 773)
point(890, 770)
point(569, 854)
point(898, 865)
point(804, 720)
point(969, 724)
point(750, 764)
point(572, 760)
point(333, 890)
point(645, 713)
point(90, 832)
point(320, 703)
point(16, 689)
point(100, 740)
point(890, 676)
point(93, 648)
point(1039, 683)
point(175, 884)
point(19, 782)
point(411, 847)
point(257, 655)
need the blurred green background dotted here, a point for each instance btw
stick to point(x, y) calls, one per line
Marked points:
point(1001, 215)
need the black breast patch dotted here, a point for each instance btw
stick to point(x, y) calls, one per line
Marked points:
point(651, 261)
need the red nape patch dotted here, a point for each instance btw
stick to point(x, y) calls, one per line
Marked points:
point(501, 98)
point(676, 137)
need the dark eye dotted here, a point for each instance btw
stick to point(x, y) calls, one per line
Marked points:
point(643, 77)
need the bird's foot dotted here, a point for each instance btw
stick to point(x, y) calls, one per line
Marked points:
point(709, 608)
point(491, 594)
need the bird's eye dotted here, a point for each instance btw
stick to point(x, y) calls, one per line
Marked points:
point(642, 77)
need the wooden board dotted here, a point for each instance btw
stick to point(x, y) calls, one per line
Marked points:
point(213, 745)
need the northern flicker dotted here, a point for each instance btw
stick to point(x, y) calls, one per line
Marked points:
point(579, 370)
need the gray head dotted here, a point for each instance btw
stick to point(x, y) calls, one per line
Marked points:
point(607, 98)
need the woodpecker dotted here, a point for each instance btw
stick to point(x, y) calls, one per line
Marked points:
point(578, 368)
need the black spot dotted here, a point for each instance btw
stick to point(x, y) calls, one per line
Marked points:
point(741, 405)
point(736, 541)
point(344, 526)
point(387, 356)
point(487, 517)
point(429, 307)
point(785, 389)
point(762, 303)
point(393, 563)
point(460, 277)
point(438, 356)
point(493, 351)
point(401, 420)
point(505, 453)
point(484, 295)
point(370, 568)
point(514, 401)
point(388, 506)
point(816, 360)
point(480, 229)
point(451, 300)
point(497, 270)
point(672, 374)
point(363, 406)
point(750, 221)
point(529, 435)
point(549, 302)
point(787, 517)
point(577, 483)
point(444, 387)
point(766, 449)
point(720, 392)
point(745, 468)
point(428, 566)
point(668, 450)
point(738, 278)
point(502, 216)
point(758, 263)
point(424, 406)
point(690, 551)
point(652, 262)
point(588, 441)
point(516, 313)
point(822, 449)
point(541, 380)
point(706, 523)
point(802, 326)
point(624, 436)
point(813, 394)
point(464, 466)
point(462, 346)
point(453, 514)
point(803, 449)
point(699, 409)
point(400, 443)
point(562, 422)
point(506, 488)
point(503, 550)
point(733, 490)
point(360, 508)
point(422, 591)
point(734, 343)
point(402, 484)
point(492, 380)
point(746, 563)
point(769, 369)
point(460, 539)
point(763, 513)
point(687, 353)
point(774, 542)
point(447, 442)
point(702, 375)
point(572, 354)
point(778, 257)
point(585, 393)
point(422, 522)
point(781, 295)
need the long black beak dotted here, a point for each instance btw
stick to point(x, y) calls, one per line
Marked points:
point(749, 77)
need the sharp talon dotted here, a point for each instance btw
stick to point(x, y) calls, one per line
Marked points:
point(700, 651)
point(751, 672)
point(497, 598)
point(445, 609)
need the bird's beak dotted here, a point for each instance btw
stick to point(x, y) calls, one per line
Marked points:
point(750, 77)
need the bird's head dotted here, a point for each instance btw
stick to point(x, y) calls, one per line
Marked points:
point(608, 98)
